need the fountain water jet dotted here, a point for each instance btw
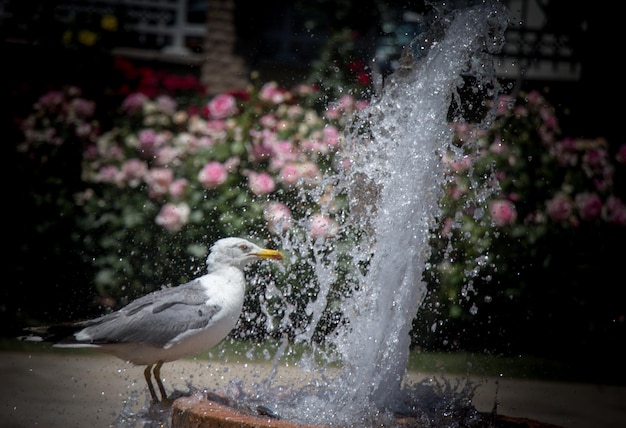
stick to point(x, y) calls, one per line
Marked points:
point(409, 126)
point(392, 186)
point(395, 149)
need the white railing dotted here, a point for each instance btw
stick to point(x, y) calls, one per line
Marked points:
point(529, 49)
point(166, 20)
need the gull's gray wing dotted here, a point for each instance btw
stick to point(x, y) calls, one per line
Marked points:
point(155, 318)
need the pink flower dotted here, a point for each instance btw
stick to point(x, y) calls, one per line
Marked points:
point(559, 208)
point(278, 217)
point(310, 172)
point(212, 175)
point(289, 174)
point(615, 211)
point(498, 146)
point(134, 102)
point(283, 152)
point(260, 183)
point(166, 155)
point(271, 92)
point(83, 129)
point(322, 227)
point(621, 154)
point(51, 100)
point(166, 104)
point(159, 180)
point(589, 205)
point(268, 120)
point(295, 112)
point(331, 136)
point(565, 152)
point(83, 108)
point(173, 216)
point(263, 144)
point(504, 105)
point(232, 164)
point(147, 141)
point(595, 159)
point(502, 212)
point(534, 98)
point(216, 126)
point(133, 171)
point(222, 106)
point(178, 187)
point(460, 165)
point(335, 110)
point(108, 174)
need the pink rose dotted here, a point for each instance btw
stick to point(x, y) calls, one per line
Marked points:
point(166, 104)
point(271, 92)
point(232, 164)
point(289, 174)
point(283, 152)
point(331, 136)
point(83, 108)
point(147, 141)
point(268, 120)
point(134, 102)
point(504, 104)
point(212, 175)
point(502, 212)
point(559, 208)
point(51, 100)
point(159, 180)
point(173, 216)
point(261, 183)
point(595, 159)
point(108, 174)
point(166, 155)
point(133, 171)
point(310, 172)
point(498, 146)
point(615, 211)
point(178, 187)
point(621, 154)
point(278, 217)
point(322, 227)
point(222, 106)
point(565, 152)
point(589, 205)
point(216, 126)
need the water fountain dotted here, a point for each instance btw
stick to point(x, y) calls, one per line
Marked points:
point(392, 184)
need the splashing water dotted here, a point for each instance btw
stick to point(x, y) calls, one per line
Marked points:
point(392, 186)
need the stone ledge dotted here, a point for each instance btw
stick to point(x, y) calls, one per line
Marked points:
point(198, 412)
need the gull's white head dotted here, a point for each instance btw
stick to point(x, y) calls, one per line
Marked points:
point(238, 252)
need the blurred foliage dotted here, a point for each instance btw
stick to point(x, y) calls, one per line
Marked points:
point(525, 256)
point(175, 170)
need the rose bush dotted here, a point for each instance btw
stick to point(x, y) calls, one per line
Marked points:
point(198, 174)
point(165, 180)
point(530, 219)
point(175, 170)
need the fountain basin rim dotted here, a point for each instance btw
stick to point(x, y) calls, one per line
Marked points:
point(197, 411)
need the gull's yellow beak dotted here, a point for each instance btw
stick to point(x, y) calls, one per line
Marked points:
point(270, 254)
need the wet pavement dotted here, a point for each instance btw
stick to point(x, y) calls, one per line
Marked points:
point(50, 389)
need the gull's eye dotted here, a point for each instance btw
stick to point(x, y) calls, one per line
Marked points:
point(244, 248)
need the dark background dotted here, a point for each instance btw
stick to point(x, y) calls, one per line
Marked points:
point(48, 282)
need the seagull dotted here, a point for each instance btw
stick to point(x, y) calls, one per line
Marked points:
point(170, 323)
